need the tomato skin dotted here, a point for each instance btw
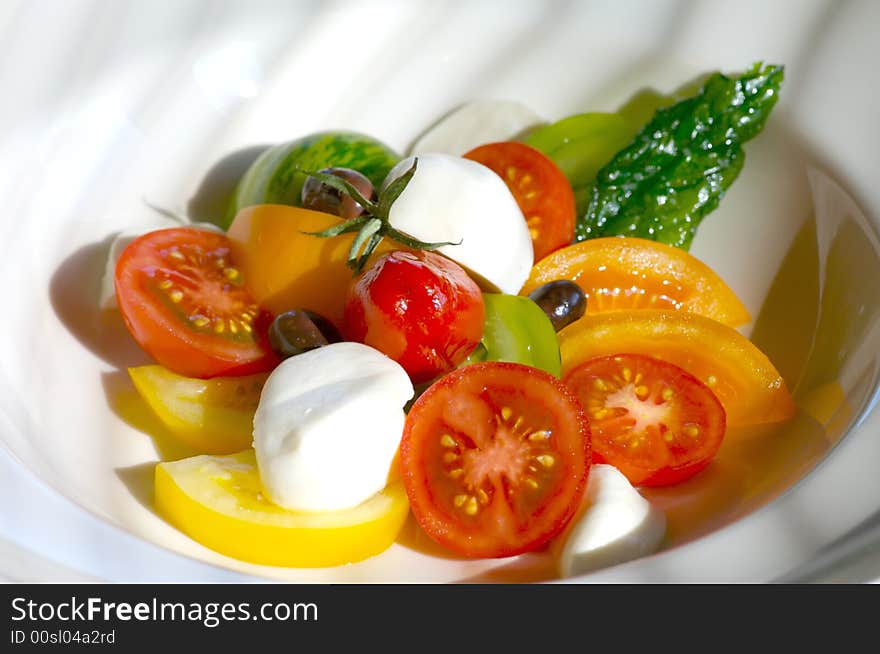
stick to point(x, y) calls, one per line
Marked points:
point(542, 191)
point(522, 442)
point(653, 421)
point(419, 308)
point(163, 326)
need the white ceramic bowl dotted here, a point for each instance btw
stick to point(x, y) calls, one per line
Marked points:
point(118, 103)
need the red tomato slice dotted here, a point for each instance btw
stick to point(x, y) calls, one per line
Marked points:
point(542, 191)
point(184, 303)
point(649, 418)
point(495, 458)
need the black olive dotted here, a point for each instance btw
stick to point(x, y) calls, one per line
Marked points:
point(297, 331)
point(328, 329)
point(563, 302)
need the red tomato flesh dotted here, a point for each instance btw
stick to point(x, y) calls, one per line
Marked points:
point(419, 308)
point(542, 191)
point(653, 421)
point(184, 302)
point(495, 458)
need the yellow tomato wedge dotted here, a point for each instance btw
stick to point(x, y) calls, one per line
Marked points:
point(742, 377)
point(213, 416)
point(285, 267)
point(622, 273)
point(218, 501)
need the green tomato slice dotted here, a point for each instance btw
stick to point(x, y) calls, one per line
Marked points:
point(580, 145)
point(517, 330)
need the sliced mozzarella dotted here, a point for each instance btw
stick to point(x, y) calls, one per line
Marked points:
point(450, 199)
point(616, 524)
point(328, 427)
point(475, 123)
point(107, 293)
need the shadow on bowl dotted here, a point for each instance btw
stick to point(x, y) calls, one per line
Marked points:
point(73, 293)
point(214, 196)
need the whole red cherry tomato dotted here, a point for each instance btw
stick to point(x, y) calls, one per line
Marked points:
point(419, 308)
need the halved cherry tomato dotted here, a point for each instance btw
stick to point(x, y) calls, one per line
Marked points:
point(650, 419)
point(542, 191)
point(621, 273)
point(742, 377)
point(495, 458)
point(183, 301)
point(419, 308)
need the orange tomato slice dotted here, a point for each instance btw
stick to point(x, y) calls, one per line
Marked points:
point(285, 267)
point(741, 376)
point(621, 273)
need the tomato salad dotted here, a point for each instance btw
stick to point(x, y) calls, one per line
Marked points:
point(457, 336)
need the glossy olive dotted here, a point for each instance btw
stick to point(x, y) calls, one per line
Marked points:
point(319, 196)
point(328, 329)
point(563, 302)
point(297, 331)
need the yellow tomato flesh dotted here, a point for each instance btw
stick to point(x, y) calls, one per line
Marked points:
point(623, 273)
point(213, 416)
point(741, 376)
point(285, 267)
point(218, 501)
